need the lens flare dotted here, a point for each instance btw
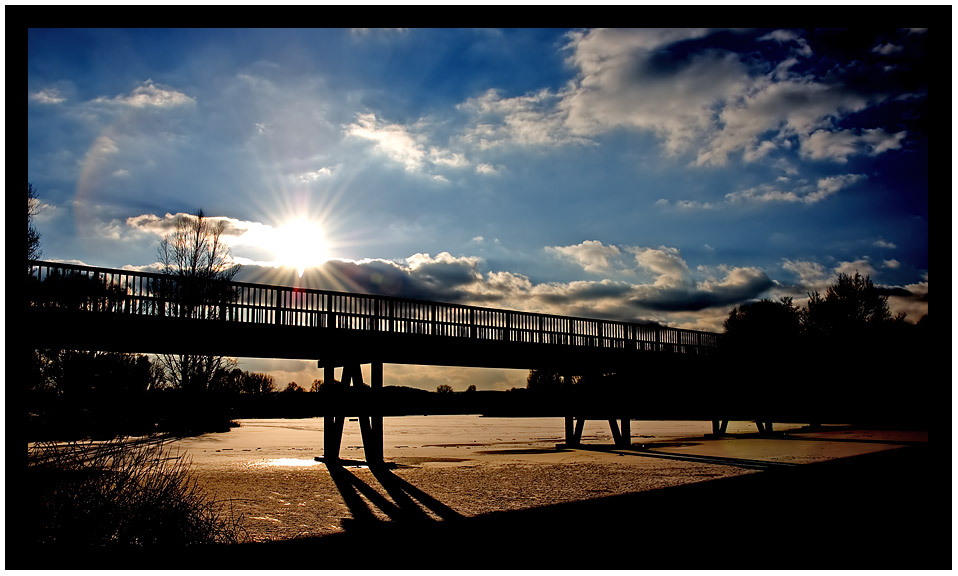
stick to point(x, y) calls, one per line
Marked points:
point(301, 244)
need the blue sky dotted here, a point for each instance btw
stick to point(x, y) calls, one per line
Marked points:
point(644, 175)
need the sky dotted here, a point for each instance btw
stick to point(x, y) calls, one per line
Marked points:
point(660, 175)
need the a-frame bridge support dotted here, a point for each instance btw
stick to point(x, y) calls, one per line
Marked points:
point(622, 436)
point(720, 426)
point(370, 422)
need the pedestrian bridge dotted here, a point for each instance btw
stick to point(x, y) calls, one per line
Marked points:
point(88, 308)
point(128, 311)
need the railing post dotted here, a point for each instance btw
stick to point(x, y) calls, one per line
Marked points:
point(324, 316)
point(277, 297)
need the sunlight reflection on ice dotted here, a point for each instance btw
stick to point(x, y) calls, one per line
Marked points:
point(283, 462)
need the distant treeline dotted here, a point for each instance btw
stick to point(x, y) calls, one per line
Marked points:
point(80, 394)
point(841, 358)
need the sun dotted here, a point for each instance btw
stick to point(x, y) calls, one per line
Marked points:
point(301, 243)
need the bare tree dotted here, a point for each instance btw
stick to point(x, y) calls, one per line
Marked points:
point(33, 237)
point(196, 249)
point(197, 257)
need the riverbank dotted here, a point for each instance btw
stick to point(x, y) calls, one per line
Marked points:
point(497, 494)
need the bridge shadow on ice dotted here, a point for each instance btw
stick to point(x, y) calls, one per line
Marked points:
point(876, 511)
point(409, 504)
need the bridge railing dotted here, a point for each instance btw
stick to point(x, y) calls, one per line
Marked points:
point(102, 290)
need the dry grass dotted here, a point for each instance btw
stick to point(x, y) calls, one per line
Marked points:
point(118, 493)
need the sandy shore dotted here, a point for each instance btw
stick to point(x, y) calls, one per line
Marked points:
point(685, 499)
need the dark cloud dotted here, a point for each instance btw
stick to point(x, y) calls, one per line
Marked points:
point(585, 291)
point(440, 280)
point(676, 57)
point(894, 291)
point(693, 300)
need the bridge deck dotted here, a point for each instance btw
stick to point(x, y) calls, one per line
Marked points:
point(96, 308)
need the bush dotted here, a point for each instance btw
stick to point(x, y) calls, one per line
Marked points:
point(118, 494)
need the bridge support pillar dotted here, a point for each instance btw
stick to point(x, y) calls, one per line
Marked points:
point(573, 433)
point(719, 426)
point(623, 438)
point(370, 421)
point(764, 427)
point(371, 426)
point(332, 425)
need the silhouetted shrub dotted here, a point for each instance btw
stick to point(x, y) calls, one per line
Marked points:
point(117, 494)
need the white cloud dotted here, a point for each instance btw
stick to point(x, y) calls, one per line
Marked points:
point(420, 259)
point(592, 255)
point(392, 140)
point(487, 169)
point(788, 36)
point(403, 145)
point(882, 243)
point(104, 146)
point(861, 266)
point(801, 193)
point(810, 274)
point(619, 85)
point(684, 204)
point(314, 175)
point(831, 185)
point(776, 109)
point(887, 49)
point(150, 95)
point(48, 96)
point(735, 278)
point(665, 262)
point(891, 264)
point(839, 145)
point(447, 158)
point(533, 119)
point(707, 102)
point(239, 232)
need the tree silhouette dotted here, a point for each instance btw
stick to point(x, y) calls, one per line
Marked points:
point(444, 389)
point(258, 383)
point(766, 325)
point(293, 387)
point(853, 356)
point(849, 308)
point(33, 237)
point(197, 259)
point(543, 380)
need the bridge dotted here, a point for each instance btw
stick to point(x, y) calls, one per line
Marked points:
point(89, 308)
